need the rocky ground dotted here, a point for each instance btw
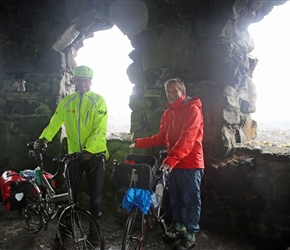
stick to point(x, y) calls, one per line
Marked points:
point(14, 236)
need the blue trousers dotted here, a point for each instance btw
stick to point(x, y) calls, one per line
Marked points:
point(184, 196)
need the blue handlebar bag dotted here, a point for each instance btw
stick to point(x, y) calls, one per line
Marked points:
point(140, 198)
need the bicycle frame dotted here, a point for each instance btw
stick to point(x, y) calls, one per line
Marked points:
point(77, 228)
point(45, 198)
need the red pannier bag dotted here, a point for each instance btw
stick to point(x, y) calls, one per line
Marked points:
point(13, 186)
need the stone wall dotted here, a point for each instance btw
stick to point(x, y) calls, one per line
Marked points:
point(249, 192)
point(205, 43)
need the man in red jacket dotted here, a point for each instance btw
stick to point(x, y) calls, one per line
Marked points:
point(181, 130)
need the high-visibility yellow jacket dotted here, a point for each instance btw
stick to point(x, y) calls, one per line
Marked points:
point(85, 118)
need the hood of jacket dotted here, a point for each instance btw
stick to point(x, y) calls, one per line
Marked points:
point(185, 100)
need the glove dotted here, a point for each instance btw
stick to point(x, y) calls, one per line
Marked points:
point(86, 156)
point(40, 145)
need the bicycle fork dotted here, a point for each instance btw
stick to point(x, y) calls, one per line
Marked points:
point(156, 215)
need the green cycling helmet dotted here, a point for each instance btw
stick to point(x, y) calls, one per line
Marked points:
point(83, 71)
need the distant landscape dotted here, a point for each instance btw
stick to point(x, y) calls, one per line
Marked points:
point(274, 131)
point(269, 133)
point(119, 123)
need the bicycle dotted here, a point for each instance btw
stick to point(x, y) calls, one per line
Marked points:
point(135, 228)
point(77, 228)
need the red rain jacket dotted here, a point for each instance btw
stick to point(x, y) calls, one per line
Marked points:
point(181, 130)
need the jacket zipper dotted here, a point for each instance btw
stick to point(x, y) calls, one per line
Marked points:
point(79, 122)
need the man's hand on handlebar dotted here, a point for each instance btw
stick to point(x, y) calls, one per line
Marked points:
point(166, 167)
point(40, 145)
point(132, 145)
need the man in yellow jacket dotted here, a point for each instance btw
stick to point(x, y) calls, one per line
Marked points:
point(84, 115)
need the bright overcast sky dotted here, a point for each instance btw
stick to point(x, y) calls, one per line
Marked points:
point(271, 76)
point(107, 54)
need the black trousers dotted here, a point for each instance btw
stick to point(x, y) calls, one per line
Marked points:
point(95, 172)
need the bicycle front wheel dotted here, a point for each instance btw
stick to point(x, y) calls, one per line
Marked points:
point(134, 230)
point(78, 229)
point(32, 211)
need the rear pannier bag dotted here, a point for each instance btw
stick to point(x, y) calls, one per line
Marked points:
point(138, 171)
point(13, 186)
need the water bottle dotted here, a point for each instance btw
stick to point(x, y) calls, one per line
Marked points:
point(159, 192)
point(37, 176)
point(28, 173)
point(154, 200)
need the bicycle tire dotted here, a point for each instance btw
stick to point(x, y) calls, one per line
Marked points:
point(32, 211)
point(134, 230)
point(78, 229)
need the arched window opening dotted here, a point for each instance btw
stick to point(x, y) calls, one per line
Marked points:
point(107, 53)
point(271, 76)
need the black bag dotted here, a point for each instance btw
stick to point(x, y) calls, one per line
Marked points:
point(138, 171)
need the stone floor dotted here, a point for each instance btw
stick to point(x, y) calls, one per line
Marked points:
point(14, 236)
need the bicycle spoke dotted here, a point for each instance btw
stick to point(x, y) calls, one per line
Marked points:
point(79, 230)
point(32, 214)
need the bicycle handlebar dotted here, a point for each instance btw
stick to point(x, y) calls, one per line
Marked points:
point(69, 158)
point(60, 162)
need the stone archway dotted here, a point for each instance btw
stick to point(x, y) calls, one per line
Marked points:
point(219, 64)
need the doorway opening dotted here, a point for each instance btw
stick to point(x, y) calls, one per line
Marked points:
point(107, 53)
point(271, 75)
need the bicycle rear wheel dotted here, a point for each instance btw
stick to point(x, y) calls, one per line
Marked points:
point(78, 229)
point(134, 230)
point(32, 211)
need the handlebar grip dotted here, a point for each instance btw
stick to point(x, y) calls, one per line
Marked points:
point(30, 145)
